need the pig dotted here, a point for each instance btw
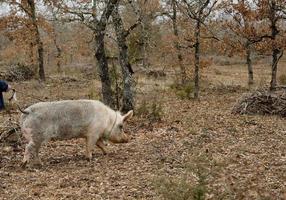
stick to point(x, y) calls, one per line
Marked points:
point(63, 120)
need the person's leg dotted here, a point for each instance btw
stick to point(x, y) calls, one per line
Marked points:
point(1, 101)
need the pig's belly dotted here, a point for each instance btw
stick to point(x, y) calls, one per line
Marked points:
point(69, 131)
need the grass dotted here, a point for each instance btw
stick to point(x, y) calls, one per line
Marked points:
point(190, 185)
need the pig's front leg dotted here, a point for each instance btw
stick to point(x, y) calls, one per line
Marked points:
point(100, 144)
point(90, 142)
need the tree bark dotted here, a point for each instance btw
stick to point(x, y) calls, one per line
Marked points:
point(58, 48)
point(99, 31)
point(128, 94)
point(197, 58)
point(274, 66)
point(275, 51)
point(38, 41)
point(177, 46)
point(107, 94)
point(249, 64)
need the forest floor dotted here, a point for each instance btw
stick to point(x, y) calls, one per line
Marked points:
point(180, 148)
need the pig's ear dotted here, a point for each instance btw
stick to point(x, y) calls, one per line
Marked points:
point(128, 115)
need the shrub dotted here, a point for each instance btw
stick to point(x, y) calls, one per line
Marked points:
point(153, 111)
point(17, 72)
point(182, 189)
point(282, 79)
point(184, 91)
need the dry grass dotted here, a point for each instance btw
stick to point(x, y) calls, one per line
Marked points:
point(244, 157)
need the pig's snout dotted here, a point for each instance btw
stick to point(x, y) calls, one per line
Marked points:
point(120, 139)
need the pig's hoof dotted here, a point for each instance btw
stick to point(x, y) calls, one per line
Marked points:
point(23, 164)
point(88, 158)
point(37, 165)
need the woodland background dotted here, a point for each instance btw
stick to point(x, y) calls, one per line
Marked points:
point(182, 65)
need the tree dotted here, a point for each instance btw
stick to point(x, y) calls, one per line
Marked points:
point(127, 71)
point(172, 14)
point(198, 11)
point(274, 11)
point(28, 8)
point(96, 18)
point(243, 30)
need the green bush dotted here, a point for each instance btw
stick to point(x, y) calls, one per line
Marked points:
point(153, 111)
point(184, 187)
point(184, 91)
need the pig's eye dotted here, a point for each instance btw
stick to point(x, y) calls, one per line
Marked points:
point(120, 126)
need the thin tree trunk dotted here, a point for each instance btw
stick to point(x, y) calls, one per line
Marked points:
point(37, 41)
point(144, 44)
point(275, 51)
point(59, 58)
point(41, 60)
point(128, 96)
point(249, 64)
point(177, 46)
point(59, 50)
point(197, 59)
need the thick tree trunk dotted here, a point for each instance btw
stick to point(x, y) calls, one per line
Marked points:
point(107, 95)
point(177, 46)
point(249, 64)
point(99, 31)
point(128, 94)
point(197, 58)
point(31, 54)
point(38, 41)
point(274, 66)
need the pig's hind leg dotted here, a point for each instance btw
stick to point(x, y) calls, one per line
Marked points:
point(32, 148)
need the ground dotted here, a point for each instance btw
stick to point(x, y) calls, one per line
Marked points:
point(198, 148)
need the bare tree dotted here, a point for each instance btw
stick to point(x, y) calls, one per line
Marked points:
point(197, 10)
point(96, 19)
point(28, 7)
point(243, 30)
point(177, 45)
point(172, 14)
point(274, 11)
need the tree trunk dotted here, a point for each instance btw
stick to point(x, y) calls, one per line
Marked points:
point(144, 43)
point(99, 31)
point(37, 40)
point(58, 48)
point(128, 94)
point(31, 54)
point(249, 64)
point(197, 58)
point(107, 95)
point(274, 65)
point(177, 46)
point(59, 58)
point(275, 50)
point(41, 60)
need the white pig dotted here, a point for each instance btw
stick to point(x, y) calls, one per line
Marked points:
point(62, 120)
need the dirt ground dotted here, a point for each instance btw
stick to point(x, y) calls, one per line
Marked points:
point(198, 147)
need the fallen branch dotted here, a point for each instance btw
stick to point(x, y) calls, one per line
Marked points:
point(262, 102)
